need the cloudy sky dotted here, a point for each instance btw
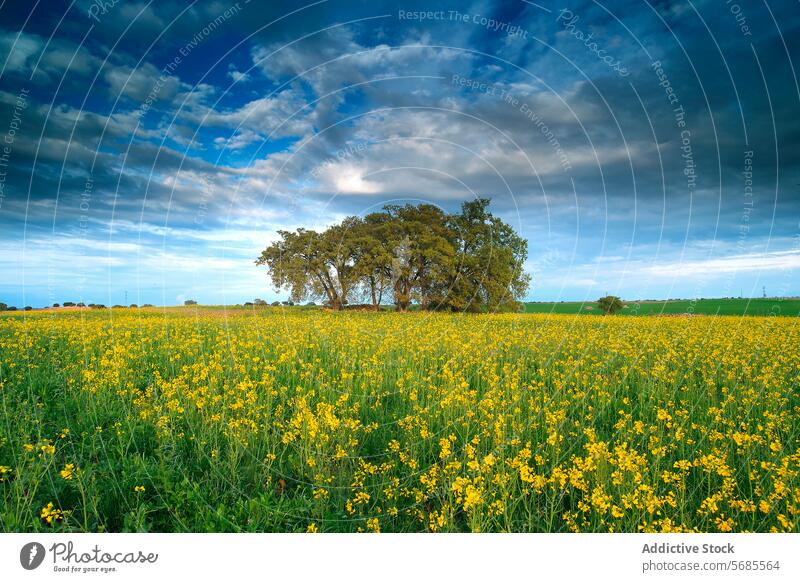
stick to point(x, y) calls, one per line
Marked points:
point(644, 148)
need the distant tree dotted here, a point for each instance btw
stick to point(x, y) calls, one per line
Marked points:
point(28, 308)
point(276, 303)
point(190, 302)
point(610, 304)
point(56, 305)
point(259, 302)
point(134, 306)
point(311, 304)
point(81, 304)
point(118, 306)
point(147, 305)
point(69, 304)
point(11, 308)
point(97, 306)
point(3, 307)
point(248, 303)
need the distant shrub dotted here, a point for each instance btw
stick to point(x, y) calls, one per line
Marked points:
point(3, 307)
point(610, 304)
point(276, 303)
point(12, 308)
point(56, 305)
point(134, 306)
point(28, 308)
point(259, 302)
point(69, 304)
point(190, 302)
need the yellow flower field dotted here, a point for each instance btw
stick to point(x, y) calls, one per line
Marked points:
point(304, 420)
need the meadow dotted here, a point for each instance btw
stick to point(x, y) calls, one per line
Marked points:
point(731, 306)
point(295, 420)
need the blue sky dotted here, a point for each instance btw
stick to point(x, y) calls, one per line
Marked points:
point(646, 149)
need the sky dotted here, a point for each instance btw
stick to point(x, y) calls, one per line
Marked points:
point(150, 150)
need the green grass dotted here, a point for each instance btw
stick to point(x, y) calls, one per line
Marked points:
point(787, 307)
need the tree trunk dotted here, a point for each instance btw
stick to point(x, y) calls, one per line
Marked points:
point(372, 285)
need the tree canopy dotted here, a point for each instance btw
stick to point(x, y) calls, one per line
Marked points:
point(470, 261)
point(610, 304)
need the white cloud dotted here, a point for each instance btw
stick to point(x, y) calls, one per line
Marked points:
point(781, 261)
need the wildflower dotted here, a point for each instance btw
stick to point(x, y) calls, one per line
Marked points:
point(50, 514)
point(68, 471)
point(312, 528)
point(138, 489)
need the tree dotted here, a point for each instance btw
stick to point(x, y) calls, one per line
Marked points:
point(373, 256)
point(3, 307)
point(610, 304)
point(314, 265)
point(489, 274)
point(423, 252)
point(190, 302)
point(471, 261)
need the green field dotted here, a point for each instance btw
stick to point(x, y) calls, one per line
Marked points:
point(789, 307)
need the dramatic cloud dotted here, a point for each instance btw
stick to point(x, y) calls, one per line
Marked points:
point(650, 149)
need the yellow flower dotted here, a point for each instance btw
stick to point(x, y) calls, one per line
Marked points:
point(724, 525)
point(373, 525)
point(50, 514)
point(68, 471)
point(139, 489)
point(3, 472)
point(312, 528)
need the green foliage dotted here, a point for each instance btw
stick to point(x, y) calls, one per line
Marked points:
point(471, 261)
point(610, 304)
point(729, 306)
